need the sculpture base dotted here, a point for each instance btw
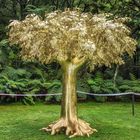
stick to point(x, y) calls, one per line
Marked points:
point(73, 128)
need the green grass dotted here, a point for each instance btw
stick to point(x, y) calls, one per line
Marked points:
point(112, 120)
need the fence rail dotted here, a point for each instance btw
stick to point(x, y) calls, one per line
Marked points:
point(81, 92)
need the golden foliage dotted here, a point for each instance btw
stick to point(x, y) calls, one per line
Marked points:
point(72, 35)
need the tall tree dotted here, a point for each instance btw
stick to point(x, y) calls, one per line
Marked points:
point(72, 39)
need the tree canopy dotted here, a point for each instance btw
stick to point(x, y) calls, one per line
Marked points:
point(72, 36)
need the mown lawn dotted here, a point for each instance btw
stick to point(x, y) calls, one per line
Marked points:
point(112, 120)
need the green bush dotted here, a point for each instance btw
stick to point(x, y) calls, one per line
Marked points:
point(99, 85)
point(19, 81)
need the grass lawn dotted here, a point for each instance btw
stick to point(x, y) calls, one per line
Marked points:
point(112, 120)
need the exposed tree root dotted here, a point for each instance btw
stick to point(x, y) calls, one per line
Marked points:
point(72, 128)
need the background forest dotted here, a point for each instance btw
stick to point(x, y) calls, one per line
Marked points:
point(20, 77)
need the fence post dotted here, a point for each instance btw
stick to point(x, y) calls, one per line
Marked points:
point(133, 104)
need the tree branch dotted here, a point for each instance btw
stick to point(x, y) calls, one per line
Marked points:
point(78, 61)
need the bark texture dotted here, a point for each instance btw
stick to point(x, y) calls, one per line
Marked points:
point(69, 121)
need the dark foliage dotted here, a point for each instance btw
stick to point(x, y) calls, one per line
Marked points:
point(17, 76)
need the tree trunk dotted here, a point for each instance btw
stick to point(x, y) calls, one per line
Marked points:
point(69, 121)
point(69, 97)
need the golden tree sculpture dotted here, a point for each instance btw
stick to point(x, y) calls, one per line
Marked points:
point(72, 39)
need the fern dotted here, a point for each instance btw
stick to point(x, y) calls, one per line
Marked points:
point(54, 87)
point(123, 88)
point(82, 85)
point(4, 42)
point(136, 89)
point(15, 74)
point(106, 90)
point(127, 85)
point(38, 10)
point(108, 87)
point(132, 77)
point(28, 101)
